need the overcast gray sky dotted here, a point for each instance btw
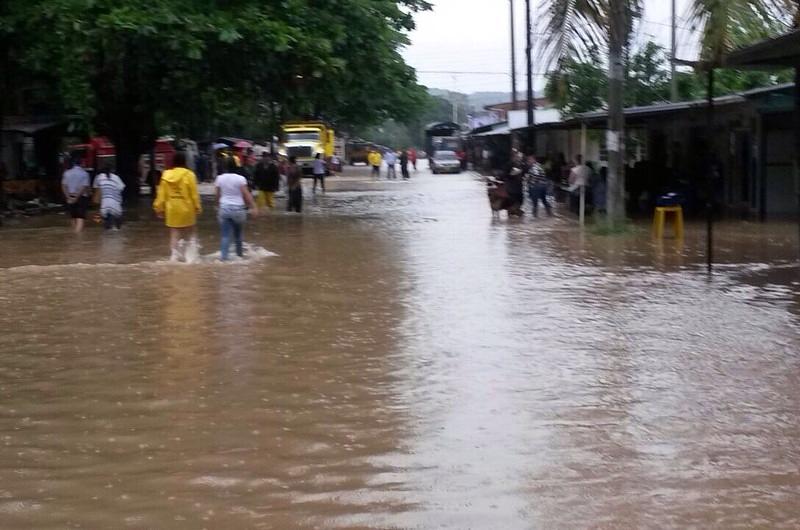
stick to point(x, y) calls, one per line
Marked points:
point(473, 36)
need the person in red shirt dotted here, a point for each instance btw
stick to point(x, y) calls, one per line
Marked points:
point(462, 157)
point(412, 157)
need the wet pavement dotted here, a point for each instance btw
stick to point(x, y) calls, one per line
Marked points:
point(402, 361)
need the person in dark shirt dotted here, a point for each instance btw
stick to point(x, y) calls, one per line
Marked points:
point(266, 180)
point(294, 182)
point(404, 164)
point(513, 178)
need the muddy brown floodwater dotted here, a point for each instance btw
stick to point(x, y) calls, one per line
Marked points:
point(403, 361)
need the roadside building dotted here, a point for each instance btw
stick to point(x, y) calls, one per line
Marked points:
point(668, 149)
point(31, 149)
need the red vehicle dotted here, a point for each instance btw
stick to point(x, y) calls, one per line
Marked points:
point(100, 150)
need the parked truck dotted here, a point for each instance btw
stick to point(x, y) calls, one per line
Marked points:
point(99, 151)
point(305, 139)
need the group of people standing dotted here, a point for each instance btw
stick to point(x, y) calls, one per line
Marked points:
point(391, 158)
point(542, 181)
point(79, 192)
point(178, 201)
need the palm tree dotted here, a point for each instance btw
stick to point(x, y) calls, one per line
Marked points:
point(571, 28)
point(728, 24)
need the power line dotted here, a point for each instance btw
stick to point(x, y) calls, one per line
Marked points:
point(452, 72)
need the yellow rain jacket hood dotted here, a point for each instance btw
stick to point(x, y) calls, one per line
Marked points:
point(178, 198)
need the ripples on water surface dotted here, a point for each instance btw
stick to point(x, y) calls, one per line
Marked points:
point(403, 361)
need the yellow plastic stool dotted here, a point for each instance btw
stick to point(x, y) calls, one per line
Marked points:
point(660, 219)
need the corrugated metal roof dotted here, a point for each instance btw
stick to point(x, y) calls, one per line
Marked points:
point(661, 108)
point(503, 130)
point(598, 116)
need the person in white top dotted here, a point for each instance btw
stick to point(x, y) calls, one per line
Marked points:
point(108, 189)
point(391, 161)
point(233, 198)
point(579, 175)
point(76, 186)
point(320, 169)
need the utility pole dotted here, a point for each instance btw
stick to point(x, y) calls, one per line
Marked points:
point(712, 170)
point(513, 59)
point(673, 50)
point(455, 101)
point(528, 51)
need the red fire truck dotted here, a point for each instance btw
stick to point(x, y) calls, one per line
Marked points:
point(100, 150)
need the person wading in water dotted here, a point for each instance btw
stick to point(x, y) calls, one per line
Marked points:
point(294, 183)
point(233, 198)
point(178, 203)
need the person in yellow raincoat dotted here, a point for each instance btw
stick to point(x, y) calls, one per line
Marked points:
point(375, 159)
point(178, 203)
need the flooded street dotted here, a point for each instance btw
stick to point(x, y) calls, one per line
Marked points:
point(402, 361)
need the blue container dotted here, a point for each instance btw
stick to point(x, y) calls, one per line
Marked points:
point(670, 199)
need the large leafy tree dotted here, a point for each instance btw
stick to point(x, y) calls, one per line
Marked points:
point(130, 68)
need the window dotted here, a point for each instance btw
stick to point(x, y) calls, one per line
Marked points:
point(302, 136)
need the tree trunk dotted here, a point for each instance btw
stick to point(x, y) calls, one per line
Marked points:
point(712, 170)
point(797, 138)
point(128, 150)
point(615, 136)
point(531, 107)
point(4, 89)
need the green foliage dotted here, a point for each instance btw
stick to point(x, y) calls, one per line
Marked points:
point(579, 86)
point(133, 69)
point(727, 24)
point(693, 85)
point(575, 29)
point(109, 58)
point(648, 78)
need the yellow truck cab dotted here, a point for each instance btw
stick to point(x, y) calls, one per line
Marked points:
point(304, 139)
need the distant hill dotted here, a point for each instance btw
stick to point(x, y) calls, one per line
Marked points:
point(477, 100)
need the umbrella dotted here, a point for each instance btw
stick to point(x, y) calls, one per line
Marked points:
point(219, 146)
point(243, 144)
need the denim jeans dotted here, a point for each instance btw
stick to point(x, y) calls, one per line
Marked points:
point(231, 219)
point(111, 220)
point(295, 203)
point(538, 192)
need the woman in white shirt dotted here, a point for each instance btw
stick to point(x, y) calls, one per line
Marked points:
point(233, 198)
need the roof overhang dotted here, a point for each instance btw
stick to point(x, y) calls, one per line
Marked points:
point(504, 130)
point(779, 52)
point(28, 128)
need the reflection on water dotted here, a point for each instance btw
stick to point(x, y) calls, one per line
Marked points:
point(401, 361)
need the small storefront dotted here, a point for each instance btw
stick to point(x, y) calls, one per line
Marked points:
point(30, 156)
